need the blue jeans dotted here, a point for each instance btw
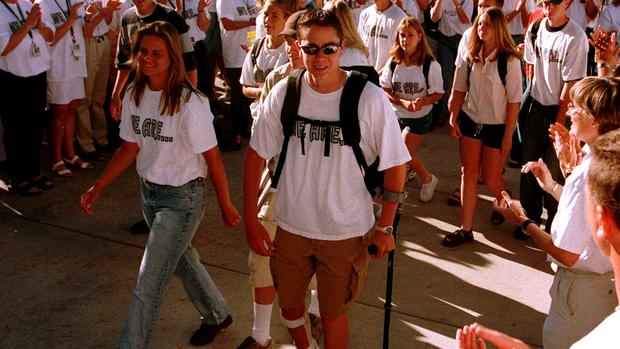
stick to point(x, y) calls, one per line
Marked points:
point(173, 215)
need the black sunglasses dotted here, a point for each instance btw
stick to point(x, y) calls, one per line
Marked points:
point(328, 49)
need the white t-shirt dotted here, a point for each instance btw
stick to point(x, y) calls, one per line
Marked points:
point(378, 30)
point(515, 27)
point(484, 102)
point(260, 26)
point(171, 147)
point(20, 61)
point(356, 10)
point(352, 57)
point(610, 20)
point(115, 25)
point(570, 230)
point(604, 336)
point(408, 82)
point(190, 15)
point(63, 63)
point(450, 24)
point(103, 26)
point(562, 58)
point(232, 40)
point(577, 12)
point(412, 9)
point(461, 52)
point(266, 61)
point(324, 197)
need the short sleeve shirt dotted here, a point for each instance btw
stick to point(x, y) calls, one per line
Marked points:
point(171, 147)
point(378, 30)
point(408, 82)
point(234, 40)
point(324, 197)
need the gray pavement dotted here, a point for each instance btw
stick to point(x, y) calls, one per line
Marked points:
point(66, 277)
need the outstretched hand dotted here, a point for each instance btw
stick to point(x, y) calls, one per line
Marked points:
point(473, 337)
point(541, 172)
point(510, 209)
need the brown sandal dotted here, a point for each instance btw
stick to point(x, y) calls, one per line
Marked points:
point(458, 237)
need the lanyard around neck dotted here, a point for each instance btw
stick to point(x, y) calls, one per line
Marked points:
point(67, 15)
point(21, 20)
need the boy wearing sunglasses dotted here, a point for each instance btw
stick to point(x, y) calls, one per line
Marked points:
point(323, 211)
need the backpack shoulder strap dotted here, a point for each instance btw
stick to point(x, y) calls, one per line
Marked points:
point(349, 114)
point(257, 45)
point(289, 111)
point(502, 66)
point(426, 67)
point(534, 33)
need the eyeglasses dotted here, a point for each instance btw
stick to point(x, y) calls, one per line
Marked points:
point(328, 49)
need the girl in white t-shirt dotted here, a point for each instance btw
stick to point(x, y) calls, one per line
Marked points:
point(412, 94)
point(167, 128)
point(484, 113)
point(270, 50)
point(65, 81)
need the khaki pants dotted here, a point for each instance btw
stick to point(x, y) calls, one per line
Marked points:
point(91, 125)
point(580, 300)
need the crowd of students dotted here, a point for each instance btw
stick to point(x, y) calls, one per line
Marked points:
point(422, 62)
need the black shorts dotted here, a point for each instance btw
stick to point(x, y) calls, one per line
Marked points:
point(490, 135)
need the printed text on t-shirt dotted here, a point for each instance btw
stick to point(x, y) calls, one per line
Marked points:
point(150, 128)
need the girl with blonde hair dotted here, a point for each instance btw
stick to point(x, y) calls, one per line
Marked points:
point(484, 116)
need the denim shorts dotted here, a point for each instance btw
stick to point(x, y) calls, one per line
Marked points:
point(490, 135)
point(418, 126)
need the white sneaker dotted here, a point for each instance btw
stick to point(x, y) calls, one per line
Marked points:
point(428, 189)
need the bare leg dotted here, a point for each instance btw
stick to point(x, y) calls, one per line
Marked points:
point(471, 153)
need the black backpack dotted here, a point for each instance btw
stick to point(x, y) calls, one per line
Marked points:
point(502, 67)
point(426, 66)
point(349, 125)
point(257, 45)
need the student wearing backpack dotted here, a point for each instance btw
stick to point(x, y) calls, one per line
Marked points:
point(267, 52)
point(263, 290)
point(483, 118)
point(412, 81)
point(324, 211)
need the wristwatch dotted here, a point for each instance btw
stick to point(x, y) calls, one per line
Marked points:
point(388, 229)
point(526, 223)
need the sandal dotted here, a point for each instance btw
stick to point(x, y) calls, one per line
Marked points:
point(26, 189)
point(76, 162)
point(455, 198)
point(42, 182)
point(458, 237)
point(60, 169)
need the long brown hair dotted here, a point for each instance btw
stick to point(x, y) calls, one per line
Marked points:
point(423, 50)
point(351, 36)
point(170, 101)
point(501, 35)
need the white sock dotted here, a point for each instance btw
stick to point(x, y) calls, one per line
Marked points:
point(262, 322)
point(314, 303)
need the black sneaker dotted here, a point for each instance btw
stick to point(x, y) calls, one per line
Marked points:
point(140, 228)
point(206, 333)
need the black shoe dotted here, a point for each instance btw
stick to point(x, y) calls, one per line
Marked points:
point(140, 228)
point(206, 333)
point(107, 148)
point(520, 235)
point(92, 156)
